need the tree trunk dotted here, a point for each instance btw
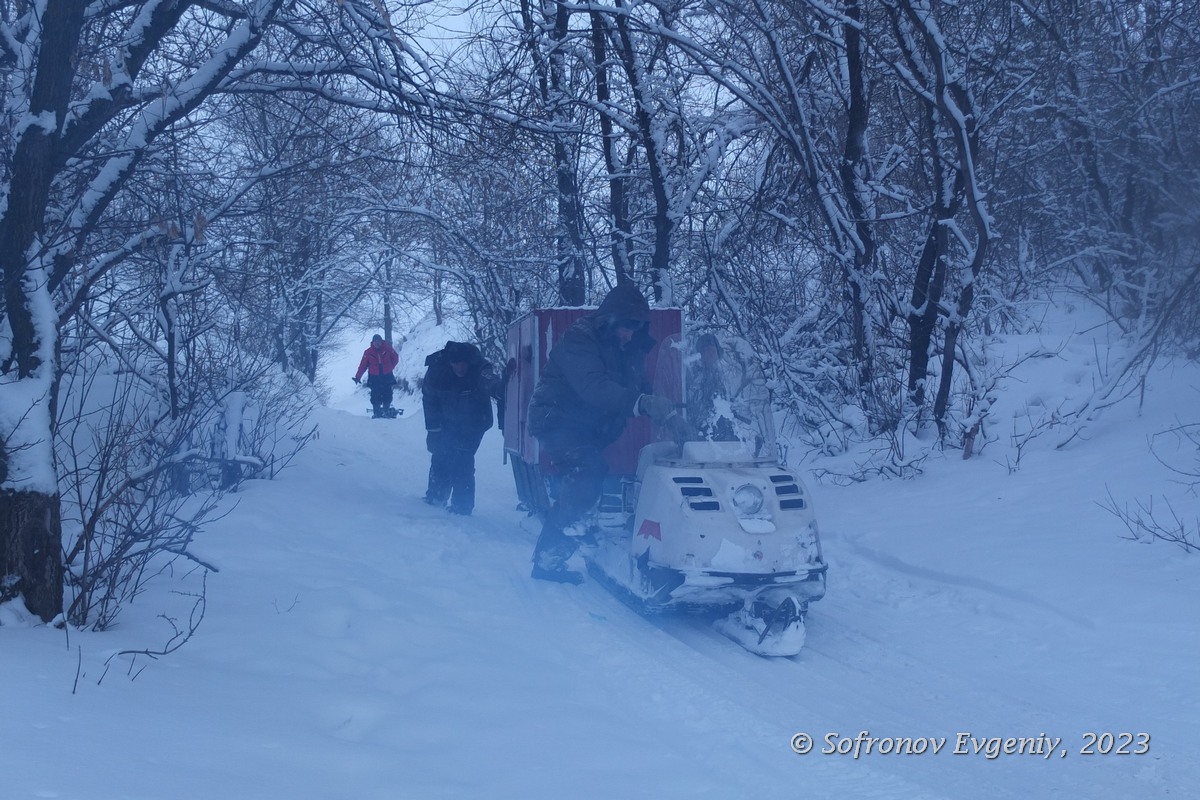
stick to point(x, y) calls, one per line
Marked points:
point(929, 280)
point(387, 300)
point(928, 283)
point(853, 173)
point(438, 314)
point(572, 269)
point(30, 525)
point(31, 551)
point(621, 227)
point(664, 225)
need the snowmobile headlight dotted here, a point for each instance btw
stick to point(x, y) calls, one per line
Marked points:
point(748, 499)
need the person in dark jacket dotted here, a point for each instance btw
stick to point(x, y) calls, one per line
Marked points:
point(593, 382)
point(378, 361)
point(457, 397)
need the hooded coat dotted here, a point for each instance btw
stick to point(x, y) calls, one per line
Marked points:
point(591, 384)
point(460, 406)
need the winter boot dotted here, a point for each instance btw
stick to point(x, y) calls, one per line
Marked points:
point(550, 556)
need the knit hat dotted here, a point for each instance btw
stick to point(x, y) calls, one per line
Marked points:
point(376, 338)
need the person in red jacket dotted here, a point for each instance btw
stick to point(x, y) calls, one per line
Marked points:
point(378, 361)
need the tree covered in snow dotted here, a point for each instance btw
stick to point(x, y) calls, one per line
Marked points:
point(865, 190)
point(196, 195)
point(118, 181)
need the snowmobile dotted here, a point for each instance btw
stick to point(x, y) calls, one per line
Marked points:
point(714, 525)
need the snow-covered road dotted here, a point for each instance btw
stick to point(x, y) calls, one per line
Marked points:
point(359, 644)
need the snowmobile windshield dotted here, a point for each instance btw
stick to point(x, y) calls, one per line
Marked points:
point(723, 392)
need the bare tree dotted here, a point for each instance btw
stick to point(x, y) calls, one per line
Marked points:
point(93, 94)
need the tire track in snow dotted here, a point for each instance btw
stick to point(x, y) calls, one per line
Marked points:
point(898, 565)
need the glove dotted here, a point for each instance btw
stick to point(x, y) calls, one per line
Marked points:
point(657, 408)
point(357, 380)
point(679, 429)
point(433, 438)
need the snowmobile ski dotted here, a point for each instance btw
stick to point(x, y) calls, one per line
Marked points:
point(765, 630)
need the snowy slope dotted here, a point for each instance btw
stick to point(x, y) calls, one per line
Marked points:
point(359, 644)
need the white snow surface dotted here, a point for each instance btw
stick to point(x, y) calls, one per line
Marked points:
point(359, 644)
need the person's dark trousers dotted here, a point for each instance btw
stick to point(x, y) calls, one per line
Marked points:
point(452, 472)
point(381, 393)
point(582, 469)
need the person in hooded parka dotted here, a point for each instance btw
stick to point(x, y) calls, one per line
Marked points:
point(457, 395)
point(593, 382)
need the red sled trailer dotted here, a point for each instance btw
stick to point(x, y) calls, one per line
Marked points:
point(529, 341)
point(715, 525)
